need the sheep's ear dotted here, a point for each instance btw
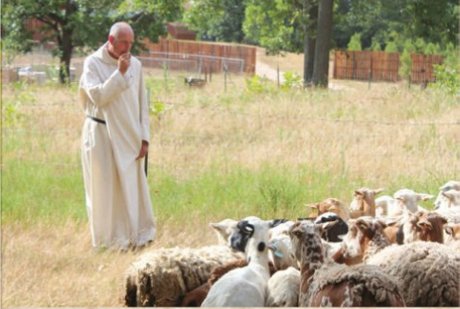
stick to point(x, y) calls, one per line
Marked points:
point(449, 230)
point(382, 223)
point(296, 229)
point(276, 222)
point(448, 195)
point(319, 229)
point(248, 228)
point(425, 225)
point(362, 225)
point(424, 196)
point(314, 205)
point(379, 190)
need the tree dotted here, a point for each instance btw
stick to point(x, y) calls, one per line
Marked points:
point(219, 20)
point(83, 23)
point(276, 25)
point(323, 43)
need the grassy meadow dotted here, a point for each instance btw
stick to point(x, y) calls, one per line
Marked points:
point(249, 149)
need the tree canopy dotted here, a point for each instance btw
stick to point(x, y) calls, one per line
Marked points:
point(83, 23)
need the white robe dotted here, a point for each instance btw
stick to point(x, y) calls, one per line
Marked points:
point(117, 196)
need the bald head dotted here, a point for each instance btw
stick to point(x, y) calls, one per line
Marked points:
point(121, 39)
point(120, 27)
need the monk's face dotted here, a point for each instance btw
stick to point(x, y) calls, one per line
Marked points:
point(122, 43)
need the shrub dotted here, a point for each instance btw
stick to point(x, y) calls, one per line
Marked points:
point(355, 42)
point(447, 79)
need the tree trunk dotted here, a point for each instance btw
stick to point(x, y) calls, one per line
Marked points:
point(323, 43)
point(66, 49)
point(65, 42)
point(310, 20)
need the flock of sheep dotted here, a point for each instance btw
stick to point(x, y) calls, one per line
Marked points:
point(378, 251)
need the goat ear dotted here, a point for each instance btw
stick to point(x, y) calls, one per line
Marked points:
point(357, 192)
point(379, 190)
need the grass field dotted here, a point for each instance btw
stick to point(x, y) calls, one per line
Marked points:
point(250, 150)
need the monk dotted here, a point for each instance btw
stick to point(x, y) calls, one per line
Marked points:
point(115, 142)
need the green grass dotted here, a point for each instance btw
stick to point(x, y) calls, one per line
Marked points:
point(298, 149)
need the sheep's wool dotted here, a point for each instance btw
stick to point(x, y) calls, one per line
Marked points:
point(427, 273)
point(361, 277)
point(162, 277)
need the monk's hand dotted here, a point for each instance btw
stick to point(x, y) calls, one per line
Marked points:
point(124, 62)
point(144, 150)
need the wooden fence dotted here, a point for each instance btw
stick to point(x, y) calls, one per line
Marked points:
point(213, 57)
point(382, 66)
point(422, 67)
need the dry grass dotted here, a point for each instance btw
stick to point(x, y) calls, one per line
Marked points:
point(384, 135)
point(55, 266)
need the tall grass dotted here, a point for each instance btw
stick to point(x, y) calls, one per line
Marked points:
point(231, 154)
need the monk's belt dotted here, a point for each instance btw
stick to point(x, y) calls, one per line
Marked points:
point(96, 119)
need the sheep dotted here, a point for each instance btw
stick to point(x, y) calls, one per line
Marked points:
point(331, 205)
point(450, 185)
point(363, 203)
point(365, 237)
point(448, 199)
point(224, 229)
point(453, 232)
point(283, 288)
point(427, 272)
point(452, 236)
point(333, 227)
point(409, 199)
point(422, 226)
point(387, 206)
point(195, 297)
point(452, 214)
point(245, 286)
point(162, 277)
point(325, 283)
point(280, 253)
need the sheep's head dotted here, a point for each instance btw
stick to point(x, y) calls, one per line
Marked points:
point(409, 199)
point(329, 205)
point(361, 232)
point(364, 200)
point(224, 229)
point(305, 238)
point(424, 226)
point(332, 226)
point(453, 231)
point(252, 228)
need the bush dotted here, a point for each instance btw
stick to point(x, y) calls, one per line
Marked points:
point(292, 80)
point(447, 79)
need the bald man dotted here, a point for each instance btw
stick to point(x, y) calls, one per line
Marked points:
point(115, 142)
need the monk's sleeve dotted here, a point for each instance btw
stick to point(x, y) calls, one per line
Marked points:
point(144, 106)
point(101, 92)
